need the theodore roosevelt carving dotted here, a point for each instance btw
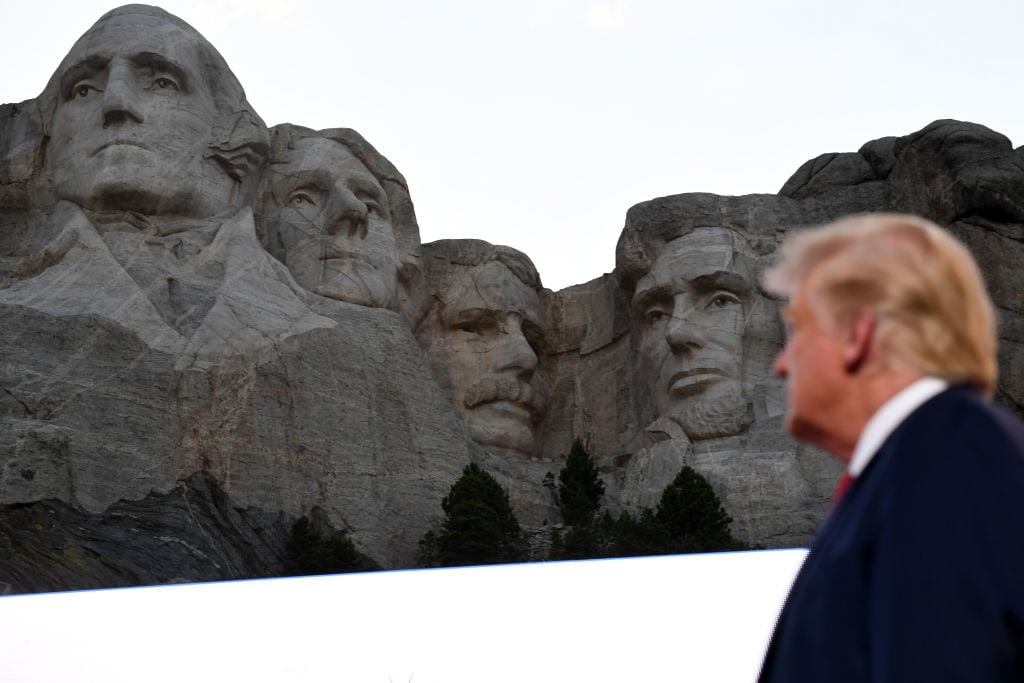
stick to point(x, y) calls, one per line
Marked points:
point(483, 334)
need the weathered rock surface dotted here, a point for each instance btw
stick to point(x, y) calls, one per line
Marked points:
point(344, 416)
point(190, 360)
point(963, 176)
point(194, 532)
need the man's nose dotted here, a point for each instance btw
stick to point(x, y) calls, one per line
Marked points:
point(780, 367)
point(683, 330)
point(515, 352)
point(120, 99)
point(347, 214)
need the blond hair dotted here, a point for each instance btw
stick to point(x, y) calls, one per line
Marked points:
point(923, 286)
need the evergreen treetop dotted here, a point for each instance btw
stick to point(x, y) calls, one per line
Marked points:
point(479, 527)
point(693, 516)
point(579, 486)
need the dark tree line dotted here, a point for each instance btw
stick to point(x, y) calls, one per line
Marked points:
point(315, 548)
point(689, 518)
point(481, 528)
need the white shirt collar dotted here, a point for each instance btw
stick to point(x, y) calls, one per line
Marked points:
point(887, 418)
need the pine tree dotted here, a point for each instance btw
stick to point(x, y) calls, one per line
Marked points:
point(640, 536)
point(479, 527)
point(579, 487)
point(693, 517)
point(310, 552)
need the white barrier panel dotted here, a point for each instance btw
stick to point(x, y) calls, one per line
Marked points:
point(700, 618)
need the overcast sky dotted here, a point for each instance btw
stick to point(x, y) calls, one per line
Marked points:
point(538, 123)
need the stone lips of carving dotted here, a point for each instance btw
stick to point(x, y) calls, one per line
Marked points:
point(490, 389)
point(694, 381)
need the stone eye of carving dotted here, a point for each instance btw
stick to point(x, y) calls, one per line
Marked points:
point(478, 326)
point(165, 83)
point(655, 315)
point(723, 299)
point(83, 89)
point(298, 199)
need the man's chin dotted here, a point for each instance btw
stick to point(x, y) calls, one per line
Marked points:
point(502, 426)
point(808, 432)
point(709, 418)
point(124, 192)
point(373, 293)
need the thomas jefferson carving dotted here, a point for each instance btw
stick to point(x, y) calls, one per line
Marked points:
point(338, 214)
point(482, 334)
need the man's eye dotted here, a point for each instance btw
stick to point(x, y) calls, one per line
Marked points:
point(300, 199)
point(655, 316)
point(479, 327)
point(165, 83)
point(723, 300)
point(83, 90)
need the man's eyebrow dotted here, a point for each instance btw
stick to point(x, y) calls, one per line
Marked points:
point(722, 279)
point(85, 67)
point(367, 182)
point(293, 180)
point(648, 294)
point(473, 312)
point(470, 314)
point(154, 60)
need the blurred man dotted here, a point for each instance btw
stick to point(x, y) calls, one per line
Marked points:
point(891, 356)
point(482, 335)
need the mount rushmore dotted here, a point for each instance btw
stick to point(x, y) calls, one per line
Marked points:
point(209, 328)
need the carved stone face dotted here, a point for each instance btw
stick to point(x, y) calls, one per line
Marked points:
point(485, 343)
point(691, 312)
point(332, 221)
point(133, 121)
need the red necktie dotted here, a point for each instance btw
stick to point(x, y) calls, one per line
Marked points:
point(841, 486)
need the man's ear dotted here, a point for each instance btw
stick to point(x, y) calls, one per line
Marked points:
point(240, 147)
point(860, 338)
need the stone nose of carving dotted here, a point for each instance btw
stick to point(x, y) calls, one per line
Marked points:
point(120, 102)
point(515, 352)
point(682, 332)
point(349, 215)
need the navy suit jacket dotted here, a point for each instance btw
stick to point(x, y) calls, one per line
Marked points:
point(918, 573)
